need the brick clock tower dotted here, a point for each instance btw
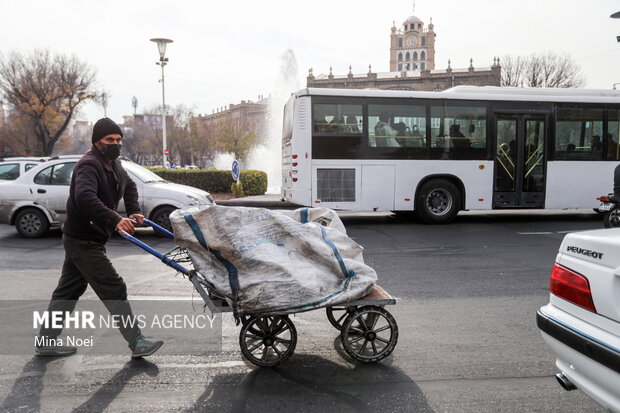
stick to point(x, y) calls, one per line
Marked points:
point(412, 47)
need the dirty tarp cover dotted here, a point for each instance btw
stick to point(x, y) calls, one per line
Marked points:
point(278, 262)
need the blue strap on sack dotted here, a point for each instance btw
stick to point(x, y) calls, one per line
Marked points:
point(233, 275)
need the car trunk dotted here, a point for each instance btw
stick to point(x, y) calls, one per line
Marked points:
point(596, 255)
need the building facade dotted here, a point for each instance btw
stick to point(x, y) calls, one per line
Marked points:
point(246, 114)
point(425, 80)
point(412, 66)
point(412, 47)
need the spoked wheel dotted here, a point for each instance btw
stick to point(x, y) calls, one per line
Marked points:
point(268, 341)
point(369, 334)
point(611, 219)
point(337, 314)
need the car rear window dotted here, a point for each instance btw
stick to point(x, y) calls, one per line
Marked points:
point(9, 171)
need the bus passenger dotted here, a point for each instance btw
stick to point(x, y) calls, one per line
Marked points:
point(612, 147)
point(352, 125)
point(385, 132)
point(320, 125)
point(461, 142)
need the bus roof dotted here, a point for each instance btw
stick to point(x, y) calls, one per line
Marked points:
point(480, 93)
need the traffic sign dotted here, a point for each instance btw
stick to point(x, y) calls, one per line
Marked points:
point(235, 170)
point(166, 151)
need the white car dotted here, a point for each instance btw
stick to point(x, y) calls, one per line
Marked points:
point(13, 168)
point(37, 200)
point(581, 323)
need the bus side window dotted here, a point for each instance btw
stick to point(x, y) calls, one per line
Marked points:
point(458, 132)
point(579, 134)
point(611, 139)
point(398, 126)
point(337, 130)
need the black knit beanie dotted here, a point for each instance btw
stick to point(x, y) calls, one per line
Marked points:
point(104, 127)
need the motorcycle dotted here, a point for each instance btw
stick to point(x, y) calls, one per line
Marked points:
point(610, 208)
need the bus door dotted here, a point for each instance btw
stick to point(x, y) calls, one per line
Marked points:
point(519, 176)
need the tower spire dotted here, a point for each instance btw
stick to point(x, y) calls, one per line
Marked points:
point(413, 8)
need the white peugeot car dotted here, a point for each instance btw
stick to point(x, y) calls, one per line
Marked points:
point(37, 199)
point(581, 323)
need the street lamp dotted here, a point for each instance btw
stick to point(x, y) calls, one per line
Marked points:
point(163, 61)
point(616, 15)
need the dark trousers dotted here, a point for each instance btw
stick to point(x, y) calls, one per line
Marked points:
point(86, 262)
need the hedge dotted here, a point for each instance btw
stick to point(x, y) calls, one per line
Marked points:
point(212, 180)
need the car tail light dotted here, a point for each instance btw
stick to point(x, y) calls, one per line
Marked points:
point(603, 198)
point(572, 287)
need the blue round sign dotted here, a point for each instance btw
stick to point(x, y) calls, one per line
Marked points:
point(235, 170)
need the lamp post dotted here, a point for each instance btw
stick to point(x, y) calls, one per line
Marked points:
point(163, 61)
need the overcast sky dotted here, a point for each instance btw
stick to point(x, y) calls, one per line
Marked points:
point(228, 51)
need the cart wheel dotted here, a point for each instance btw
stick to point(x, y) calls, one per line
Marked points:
point(369, 334)
point(337, 314)
point(268, 340)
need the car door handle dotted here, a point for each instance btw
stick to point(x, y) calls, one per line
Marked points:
point(41, 191)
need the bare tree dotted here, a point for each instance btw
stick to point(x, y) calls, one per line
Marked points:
point(45, 91)
point(235, 136)
point(541, 70)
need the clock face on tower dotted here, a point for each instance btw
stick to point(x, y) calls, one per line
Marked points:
point(411, 41)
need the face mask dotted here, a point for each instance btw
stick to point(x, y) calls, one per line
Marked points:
point(111, 151)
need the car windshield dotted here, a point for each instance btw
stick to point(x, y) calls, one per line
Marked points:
point(141, 173)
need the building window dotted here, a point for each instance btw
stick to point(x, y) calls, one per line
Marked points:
point(407, 56)
point(423, 56)
point(419, 26)
point(423, 41)
point(400, 67)
point(400, 42)
point(415, 55)
point(400, 57)
point(415, 66)
point(407, 66)
point(422, 66)
point(412, 26)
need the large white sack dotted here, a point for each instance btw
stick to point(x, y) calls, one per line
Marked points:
point(279, 264)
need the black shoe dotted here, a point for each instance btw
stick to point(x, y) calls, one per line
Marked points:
point(145, 347)
point(56, 350)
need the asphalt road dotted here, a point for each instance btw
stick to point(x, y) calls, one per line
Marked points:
point(468, 293)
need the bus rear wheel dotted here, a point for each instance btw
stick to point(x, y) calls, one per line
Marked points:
point(438, 201)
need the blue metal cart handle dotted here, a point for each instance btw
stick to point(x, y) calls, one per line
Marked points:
point(158, 228)
point(166, 260)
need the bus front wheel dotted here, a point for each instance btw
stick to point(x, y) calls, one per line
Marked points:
point(438, 201)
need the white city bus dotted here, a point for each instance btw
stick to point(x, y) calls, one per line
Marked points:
point(437, 153)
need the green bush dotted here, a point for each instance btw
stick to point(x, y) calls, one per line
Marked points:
point(213, 180)
point(237, 189)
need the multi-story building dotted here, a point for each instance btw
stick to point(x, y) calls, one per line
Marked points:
point(412, 47)
point(246, 114)
point(412, 66)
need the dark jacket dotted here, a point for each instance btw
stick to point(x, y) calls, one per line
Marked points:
point(617, 182)
point(96, 189)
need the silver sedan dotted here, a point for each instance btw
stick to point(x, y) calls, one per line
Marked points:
point(37, 199)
